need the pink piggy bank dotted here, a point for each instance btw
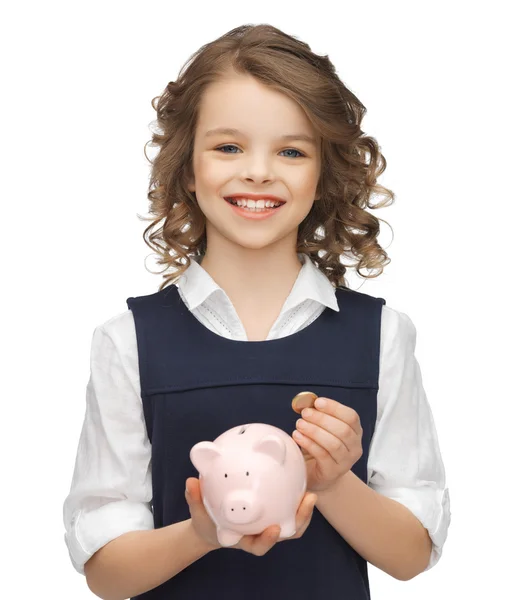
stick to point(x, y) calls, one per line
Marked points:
point(252, 476)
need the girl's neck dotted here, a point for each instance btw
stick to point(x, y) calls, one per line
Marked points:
point(254, 280)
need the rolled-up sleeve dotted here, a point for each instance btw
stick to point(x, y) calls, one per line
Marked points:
point(111, 489)
point(405, 461)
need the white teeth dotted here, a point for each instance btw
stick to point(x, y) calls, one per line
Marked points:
point(243, 202)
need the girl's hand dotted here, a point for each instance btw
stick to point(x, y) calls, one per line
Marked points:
point(254, 544)
point(330, 436)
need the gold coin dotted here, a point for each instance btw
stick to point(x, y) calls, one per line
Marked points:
point(303, 400)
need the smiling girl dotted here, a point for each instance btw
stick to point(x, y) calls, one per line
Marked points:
point(260, 189)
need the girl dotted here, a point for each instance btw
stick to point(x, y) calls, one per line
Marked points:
point(261, 185)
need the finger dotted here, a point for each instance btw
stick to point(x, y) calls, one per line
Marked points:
point(188, 492)
point(261, 544)
point(307, 501)
point(338, 428)
point(193, 494)
point(309, 505)
point(305, 513)
point(271, 537)
point(325, 460)
point(342, 440)
point(342, 412)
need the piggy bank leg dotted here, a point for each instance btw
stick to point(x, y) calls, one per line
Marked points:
point(226, 537)
point(288, 528)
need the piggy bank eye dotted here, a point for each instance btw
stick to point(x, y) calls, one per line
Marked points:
point(247, 473)
point(226, 475)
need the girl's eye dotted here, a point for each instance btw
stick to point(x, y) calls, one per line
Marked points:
point(232, 146)
point(293, 150)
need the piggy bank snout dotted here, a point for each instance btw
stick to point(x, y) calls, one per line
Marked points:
point(241, 507)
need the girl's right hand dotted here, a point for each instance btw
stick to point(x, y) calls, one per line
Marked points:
point(258, 544)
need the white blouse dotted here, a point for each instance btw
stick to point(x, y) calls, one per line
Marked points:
point(111, 488)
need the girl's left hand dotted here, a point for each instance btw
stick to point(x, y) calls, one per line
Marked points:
point(331, 438)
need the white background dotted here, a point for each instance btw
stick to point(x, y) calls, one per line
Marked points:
point(77, 83)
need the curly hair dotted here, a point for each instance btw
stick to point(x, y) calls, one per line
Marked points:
point(338, 223)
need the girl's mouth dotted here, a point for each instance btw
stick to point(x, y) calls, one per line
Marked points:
point(253, 205)
point(254, 212)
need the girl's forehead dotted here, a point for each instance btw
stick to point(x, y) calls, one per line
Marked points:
point(229, 92)
point(253, 115)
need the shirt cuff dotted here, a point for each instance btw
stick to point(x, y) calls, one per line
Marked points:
point(431, 507)
point(91, 530)
point(439, 533)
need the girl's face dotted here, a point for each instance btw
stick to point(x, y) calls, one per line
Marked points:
point(255, 160)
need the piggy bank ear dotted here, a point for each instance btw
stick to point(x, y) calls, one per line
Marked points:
point(273, 446)
point(203, 454)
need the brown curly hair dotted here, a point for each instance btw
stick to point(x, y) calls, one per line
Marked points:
point(338, 222)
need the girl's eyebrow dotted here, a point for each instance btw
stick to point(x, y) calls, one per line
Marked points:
point(284, 138)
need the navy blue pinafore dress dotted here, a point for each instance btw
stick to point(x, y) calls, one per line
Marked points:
point(196, 384)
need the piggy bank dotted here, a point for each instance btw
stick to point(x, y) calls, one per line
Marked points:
point(252, 476)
